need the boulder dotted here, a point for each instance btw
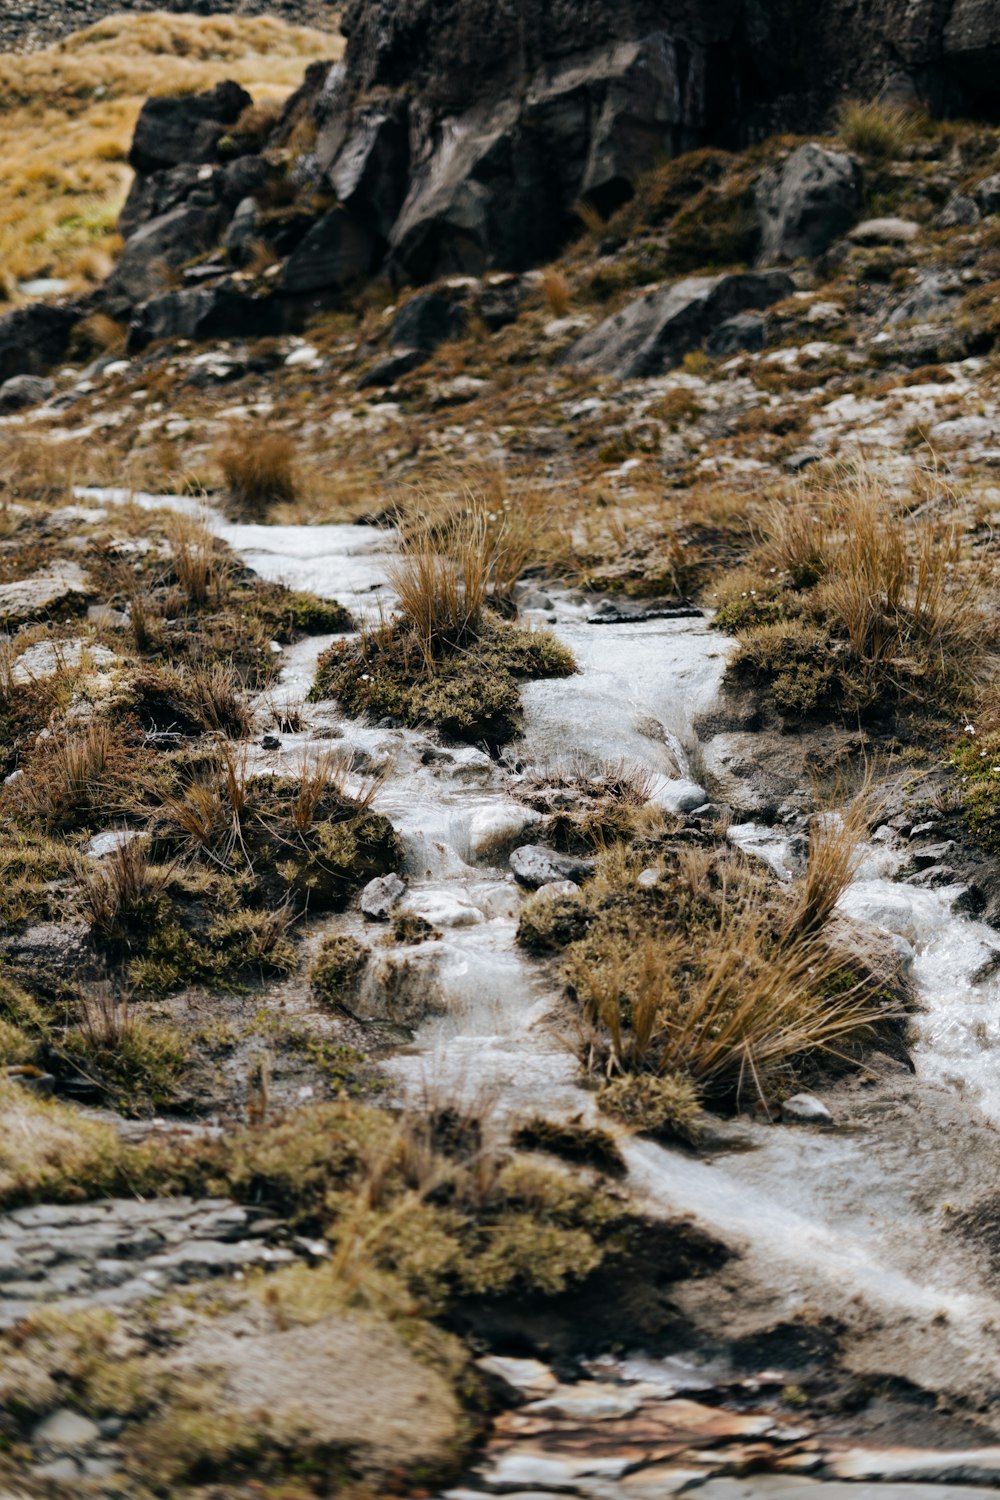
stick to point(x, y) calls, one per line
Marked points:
point(806, 203)
point(157, 249)
point(426, 321)
point(152, 197)
point(653, 333)
point(365, 158)
point(336, 251)
point(534, 866)
point(34, 337)
point(24, 390)
point(746, 333)
point(393, 367)
point(184, 128)
point(59, 589)
point(499, 300)
point(222, 311)
point(931, 299)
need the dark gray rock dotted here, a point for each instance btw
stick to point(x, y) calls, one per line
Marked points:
point(223, 311)
point(426, 321)
point(158, 249)
point(365, 158)
point(499, 300)
point(931, 299)
point(334, 253)
point(653, 333)
point(24, 390)
point(534, 866)
point(35, 337)
point(380, 896)
point(242, 232)
point(184, 128)
point(745, 333)
point(153, 196)
point(393, 367)
point(806, 203)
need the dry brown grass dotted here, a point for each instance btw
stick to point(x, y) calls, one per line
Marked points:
point(556, 291)
point(442, 594)
point(259, 469)
point(876, 128)
point(121, 890)
point(64, 143)
point(197, 560)
point(835, 852)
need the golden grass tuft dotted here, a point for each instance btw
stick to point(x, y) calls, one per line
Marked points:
point(259, 470)
point(556, 291)
point(876, 128)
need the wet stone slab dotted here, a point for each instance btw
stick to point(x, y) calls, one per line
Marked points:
point(119, 1251)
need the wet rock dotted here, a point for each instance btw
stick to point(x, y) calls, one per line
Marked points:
point(962, 211)
point(933, 854)
point(889, 231)
point(745, 333)
point(987, 194)
point(494, 830)
point(60, 588)
point(805, 1109)
point(24, 390)
point(653, 333)
point(35, 337)
point(681, 796)
point(442, 908)
point(427, 321)
point(336, 252)
point(65, 1429)
point(807, 203)
point(184, 128)
point(534, 866)
point(528, 1379)
point(380, 896)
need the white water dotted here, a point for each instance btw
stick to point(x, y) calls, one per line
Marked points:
point(822, 1216)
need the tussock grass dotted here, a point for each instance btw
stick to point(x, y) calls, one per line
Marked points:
point(878, 129)
point(259, 469)
point(556, 292)
point(82, 777)
point(121, 892)
point(64, 183)
point(197, 559)
point(852, 604)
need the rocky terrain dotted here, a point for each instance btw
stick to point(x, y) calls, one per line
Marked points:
point(499, 975)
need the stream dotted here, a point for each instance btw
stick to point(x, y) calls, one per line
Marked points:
point(840, 1224)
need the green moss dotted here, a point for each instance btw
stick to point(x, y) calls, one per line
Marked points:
point(977, 760)
point(666, 1107)
point(573, 1141)
point(337, 969)
point(550, 920)
point(137, 1067)
point(471, 693)
point(290, 613)
point(803, 667)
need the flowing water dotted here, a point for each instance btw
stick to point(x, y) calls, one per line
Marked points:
point(837, 1219)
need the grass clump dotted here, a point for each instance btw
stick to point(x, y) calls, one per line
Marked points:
point(136, 1064)
point(258, 468)
point(447, 659)
point(664, 1106)
point(876, 128)
point(857, 608)
point(337, 969)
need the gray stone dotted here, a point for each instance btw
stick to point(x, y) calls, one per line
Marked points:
point(183, 128)
point(61, 587)
point(366, 159)
point(805, 1109)
point(158, 249)
point(931, 298)
point(393, 367)
point(743, 334)
point(35, 337)
point(242, 231)
point(534, 866)
point(959, 212)
point(499, 300)
point(65, 1429)
point(427, 320)
point(888, 231)
point(24, 390)
point(653, 333)
point(380, 896)
point(807, 202)
point(219, 312)
point(63, 948)
point(336, 252)
point(987, 194)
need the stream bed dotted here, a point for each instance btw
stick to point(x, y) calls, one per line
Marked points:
point(845, 1227)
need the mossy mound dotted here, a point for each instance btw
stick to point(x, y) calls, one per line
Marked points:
point(469, 693)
